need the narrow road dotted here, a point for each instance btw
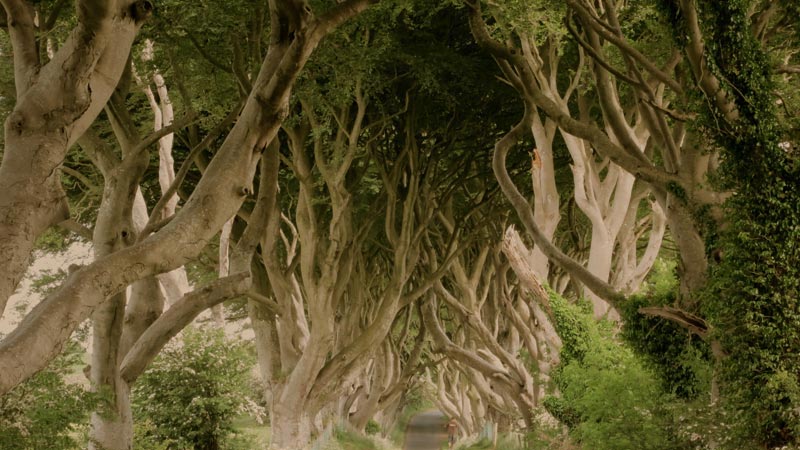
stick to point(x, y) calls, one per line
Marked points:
point(426, 431)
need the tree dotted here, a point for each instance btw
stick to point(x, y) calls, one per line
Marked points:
point(295, 33)
point(695, 142)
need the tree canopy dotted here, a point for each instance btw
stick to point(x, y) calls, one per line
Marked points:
point(519, 207)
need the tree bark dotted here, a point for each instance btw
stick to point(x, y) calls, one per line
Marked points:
point(218, 195)
point(55, 105)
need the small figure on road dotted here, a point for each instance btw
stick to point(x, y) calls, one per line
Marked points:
point(452, 429)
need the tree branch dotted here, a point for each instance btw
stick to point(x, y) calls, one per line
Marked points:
point(593, 22)
point(523, 208)
point(155, 136)
point(706, 79)
point(53, 15)
point(77, 228)
point(787, 69)
point(596, 55)
point(691, 322)
point(207, 56)
point(338, 15)
point(180, 314)
point(155, 214)
point(264, 301)
point(21, 30)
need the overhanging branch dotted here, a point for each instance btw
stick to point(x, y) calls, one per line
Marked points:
point(691, 322)
point(176, 318)
point(523, 209)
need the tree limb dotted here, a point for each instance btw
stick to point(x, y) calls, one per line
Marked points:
point(339, 14)
point(21, 30)
point(180, 314)
point(155, 136)
point(596, 55)
point(77, 228)
point(155, 215)
point(264, 301)
point(53, 15)
point(523, 208)
point(706, 79)
point(207, 56)
point(788, 69)
point(691, 322)
point(593, 22)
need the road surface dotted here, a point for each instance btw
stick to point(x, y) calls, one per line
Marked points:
point(426, 431)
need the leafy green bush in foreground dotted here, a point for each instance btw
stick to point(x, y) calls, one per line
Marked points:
point(45, 411)
point(193, 391)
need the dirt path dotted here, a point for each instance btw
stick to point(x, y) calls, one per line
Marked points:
point(426, 431)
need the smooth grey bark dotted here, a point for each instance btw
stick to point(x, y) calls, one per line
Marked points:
point(112, 426)
point(390, 378)
point(506, 381)
point(321, 276)
point(218, 195)
point(546, 200)
point(56, 102)
point(683, 165)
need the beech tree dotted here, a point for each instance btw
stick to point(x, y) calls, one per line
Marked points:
point(92, 63)
point(351, 196)
point(692, 144)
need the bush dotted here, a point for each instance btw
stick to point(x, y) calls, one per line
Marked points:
point(619, 402)
point(350, 440)
point(372, 427)
point(609, 399)
point(45, 411)
point(193, 391)
point(680, 359)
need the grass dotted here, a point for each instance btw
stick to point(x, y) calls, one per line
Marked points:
point(504, 442)
point(349, 440)
point(248, 427)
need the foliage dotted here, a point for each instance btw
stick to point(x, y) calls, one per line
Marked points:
point(372, 427)
point(678, 357)
point(147, 436)
point(608, 397)
point(575, 327)
point(54, 240)
point(193, 391)
point(618, 400)
point(350, 440)
point(504, 442)
point(46, 411)
point(48, 281)
point(753, 292)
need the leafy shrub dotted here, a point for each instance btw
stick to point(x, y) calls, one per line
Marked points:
point(46, 411)
point(618, 401)
point(681, 359)
point(609, 399)
point(372, 427)
point(350, 440)
point(193, 391)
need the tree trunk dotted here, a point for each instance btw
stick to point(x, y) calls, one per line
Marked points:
point(291, 426)
point(55, 105)
point(217, 312)
point(601, 252)
point(111, 425)
point(117, 433)
point(546, 206)
point(218, 195)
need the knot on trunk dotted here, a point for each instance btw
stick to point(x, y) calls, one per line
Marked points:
point(141, 10)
